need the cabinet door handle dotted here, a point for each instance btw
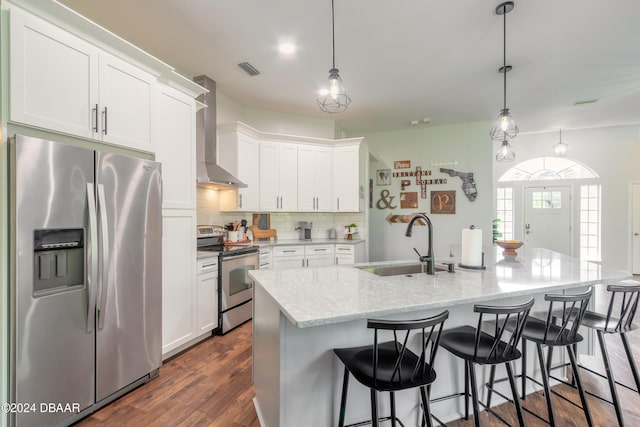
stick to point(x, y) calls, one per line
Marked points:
point(303, 262)
point(95, 119)
point(338, 203)
point(290, 251)
point(240, 200)
point(104, 120)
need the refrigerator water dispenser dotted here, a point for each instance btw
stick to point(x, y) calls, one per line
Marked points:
point(58, 260)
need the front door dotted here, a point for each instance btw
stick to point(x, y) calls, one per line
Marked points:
point(547, 218)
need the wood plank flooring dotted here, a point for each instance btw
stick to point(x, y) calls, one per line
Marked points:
point(210, 385)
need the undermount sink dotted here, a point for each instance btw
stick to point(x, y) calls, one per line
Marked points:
point(398, 270)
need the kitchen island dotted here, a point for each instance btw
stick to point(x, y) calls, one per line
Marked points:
point(301, 315)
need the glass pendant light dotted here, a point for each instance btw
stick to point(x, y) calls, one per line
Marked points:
point(560, 149)
point(505, 153)
point(504, 127)
point(333, 97)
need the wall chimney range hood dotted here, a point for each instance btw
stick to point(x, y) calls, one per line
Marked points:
point(208, 173)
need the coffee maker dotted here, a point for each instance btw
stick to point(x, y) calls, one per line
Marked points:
point(305, 230)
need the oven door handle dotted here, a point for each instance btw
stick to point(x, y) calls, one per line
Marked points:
point(239, 256)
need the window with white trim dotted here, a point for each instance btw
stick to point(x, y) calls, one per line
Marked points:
point(504, 211)
point(590, 222)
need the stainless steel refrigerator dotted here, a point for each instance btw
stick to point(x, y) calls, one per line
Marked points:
point(86, 278)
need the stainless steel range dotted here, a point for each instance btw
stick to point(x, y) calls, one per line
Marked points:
point(235, 287)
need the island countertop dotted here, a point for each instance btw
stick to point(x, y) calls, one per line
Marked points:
point(326, 295)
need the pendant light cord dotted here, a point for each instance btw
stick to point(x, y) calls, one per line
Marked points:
point(504, 53)
point(333, 36)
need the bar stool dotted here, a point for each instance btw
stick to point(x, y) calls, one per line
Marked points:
point(547, 333)
point(391, 366)
point(618, 320)
point(475, 346)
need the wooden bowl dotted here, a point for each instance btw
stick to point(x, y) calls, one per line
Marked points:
point(509, 246)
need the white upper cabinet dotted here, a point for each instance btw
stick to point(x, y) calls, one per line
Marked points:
point(175, 147)
point(126, 104)
point(54, 77)
point(314, 179)
point(349, 175)
point(278, 176)
point(239, 153)
point(62, 83)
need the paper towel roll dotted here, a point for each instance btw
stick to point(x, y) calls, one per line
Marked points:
point(471, 247)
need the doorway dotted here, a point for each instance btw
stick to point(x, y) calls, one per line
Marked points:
point(547, 218)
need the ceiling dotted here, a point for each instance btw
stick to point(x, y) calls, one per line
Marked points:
point(402, 60)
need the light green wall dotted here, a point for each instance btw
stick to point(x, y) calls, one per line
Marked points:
point(470, 146)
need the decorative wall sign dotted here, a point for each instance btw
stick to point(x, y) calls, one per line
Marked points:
point(468, 184)
point(440, 164)
point(403, 219)
point(404, 184)
point(409, 200)
point(443, 202)
point(383, 177)
point(402, 164)
point(385, 200)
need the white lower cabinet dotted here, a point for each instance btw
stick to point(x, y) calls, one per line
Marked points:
point(207, 305)
point(266, 258)
point(345, 254)
point(288, 257)
point(318, 255)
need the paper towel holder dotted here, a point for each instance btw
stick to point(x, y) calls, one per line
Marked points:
point(474, 267)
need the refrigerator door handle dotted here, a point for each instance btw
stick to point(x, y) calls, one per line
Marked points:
point(92, 275)
point(104, 228)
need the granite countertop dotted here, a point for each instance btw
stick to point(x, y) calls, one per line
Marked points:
point(325, 295)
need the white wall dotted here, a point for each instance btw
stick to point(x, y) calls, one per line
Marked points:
point(614, 154)
point(272, 121)
point(468, 144)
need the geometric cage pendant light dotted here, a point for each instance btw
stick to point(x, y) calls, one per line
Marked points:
point(333, 97)
point(505, 127)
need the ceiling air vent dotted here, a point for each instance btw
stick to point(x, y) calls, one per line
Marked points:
point(585, 101)
point(248, 68)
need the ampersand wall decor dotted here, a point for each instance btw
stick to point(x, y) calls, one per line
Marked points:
point(385, 201)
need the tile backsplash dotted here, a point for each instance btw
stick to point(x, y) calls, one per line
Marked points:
point(284, 222)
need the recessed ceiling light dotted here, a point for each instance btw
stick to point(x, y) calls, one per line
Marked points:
point(287, 48)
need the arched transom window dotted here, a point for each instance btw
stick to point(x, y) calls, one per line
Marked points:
point(547, 168)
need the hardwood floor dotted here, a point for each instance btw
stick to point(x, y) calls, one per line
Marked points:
point(210, 385)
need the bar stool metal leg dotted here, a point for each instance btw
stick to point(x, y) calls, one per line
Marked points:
point(523, 396)
point(632, 363)
point(576, 378)
point(343, 400)
point(374, 409)
point(392, 403)
point(474, 394)
point(466, 391)
point(545, 383)
point(514, 391)
point(424, 395)
point(610, 378)
point(492, 376)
